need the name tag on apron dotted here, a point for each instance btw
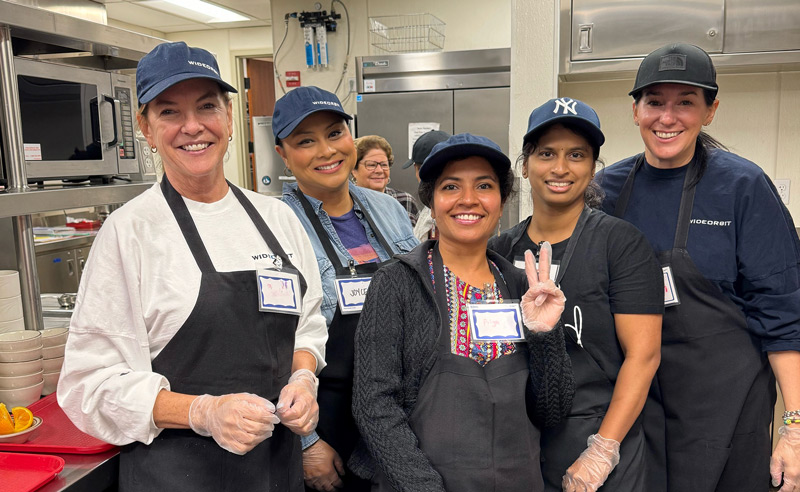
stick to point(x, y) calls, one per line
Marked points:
point(520, 263)
point(670, 292)
point(351, 292)
point(495, 322)
point(278, 291)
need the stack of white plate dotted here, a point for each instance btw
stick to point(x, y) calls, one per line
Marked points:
point(10, 302)
point(54, 341)
point(21, 374)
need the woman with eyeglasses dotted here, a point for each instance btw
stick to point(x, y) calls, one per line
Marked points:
point(373, 162)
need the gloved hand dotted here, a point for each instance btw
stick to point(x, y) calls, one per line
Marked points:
point(237, 422)
point(322, 467)
point(786, 460)
point(543, 303)
point(297, 405)
point(590, 470)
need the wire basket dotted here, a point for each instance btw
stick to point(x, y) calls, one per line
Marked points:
point(412, 33)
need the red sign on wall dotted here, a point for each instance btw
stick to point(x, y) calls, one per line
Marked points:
point(292, 79)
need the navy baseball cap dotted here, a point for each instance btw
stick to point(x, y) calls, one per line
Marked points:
point(563, 110)
point(170, 63)
point(297, 105)
point(461, 146)
point(677, 63)
point(424, 144)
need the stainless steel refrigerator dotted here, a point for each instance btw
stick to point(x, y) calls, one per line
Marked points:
point(270, 170)
point(400, 96)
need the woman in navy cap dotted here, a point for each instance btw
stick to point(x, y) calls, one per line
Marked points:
point(730, 256)
point(170, 307)
point(613, 286)
point(460, 358)
point(353, 230)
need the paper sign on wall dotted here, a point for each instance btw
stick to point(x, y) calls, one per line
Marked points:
point(33, 151)
point(415, 130)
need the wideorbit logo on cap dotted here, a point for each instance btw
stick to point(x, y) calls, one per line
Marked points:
point(203, 65)
point(328, 103)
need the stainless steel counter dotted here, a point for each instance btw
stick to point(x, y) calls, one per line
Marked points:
point(86, 473)
point(66, 243)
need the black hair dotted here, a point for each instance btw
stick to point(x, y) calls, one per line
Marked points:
point(593, 195)
point(426, 186)
point(704, 143)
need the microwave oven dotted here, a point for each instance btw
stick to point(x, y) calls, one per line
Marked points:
point(77, 123)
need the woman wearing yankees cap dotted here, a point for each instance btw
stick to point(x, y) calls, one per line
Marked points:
point(730, 256)
point(613, 287)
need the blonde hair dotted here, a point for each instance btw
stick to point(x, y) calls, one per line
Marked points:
point(368, 142)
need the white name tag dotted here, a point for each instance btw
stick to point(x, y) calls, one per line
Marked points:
point(278, 291)
point(495, 322)
point(670, 292)
point(351, 292)
point(553, 268)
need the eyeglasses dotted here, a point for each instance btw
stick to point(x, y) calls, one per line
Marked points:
point(371, 165)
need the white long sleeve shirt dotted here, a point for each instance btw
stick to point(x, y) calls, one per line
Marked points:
point(141, 283)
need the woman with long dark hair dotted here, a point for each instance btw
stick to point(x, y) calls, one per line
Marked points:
point(730, 255)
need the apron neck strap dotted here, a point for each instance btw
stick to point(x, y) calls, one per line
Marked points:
point(573, 242)
point(186, 223)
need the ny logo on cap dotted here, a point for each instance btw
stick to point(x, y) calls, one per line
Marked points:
point(568, 105)
point(673, 61)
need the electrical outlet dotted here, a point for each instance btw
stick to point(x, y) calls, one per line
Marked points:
point(352, 84)
point(783, 189)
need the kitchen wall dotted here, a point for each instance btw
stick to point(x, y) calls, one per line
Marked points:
point(757, 119)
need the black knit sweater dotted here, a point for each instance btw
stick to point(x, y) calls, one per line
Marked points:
point(395, 348)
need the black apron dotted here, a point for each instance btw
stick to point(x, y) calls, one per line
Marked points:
point(709, 409)
point(470, 420)
point(225, 346)
point(336, 426)
point(563, 444)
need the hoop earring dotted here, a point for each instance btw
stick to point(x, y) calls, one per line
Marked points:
point(227, 156)
point(388, 180)
point(154, 150)
point(287, 172)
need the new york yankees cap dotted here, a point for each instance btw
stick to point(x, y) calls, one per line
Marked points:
point(677, 63)
point(423, 146)
point(170, 63)
point(459, 147)
point(297, 105)
point(565, 110)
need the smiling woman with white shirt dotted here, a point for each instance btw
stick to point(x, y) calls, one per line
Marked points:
point(171, 307)
point(353, 230)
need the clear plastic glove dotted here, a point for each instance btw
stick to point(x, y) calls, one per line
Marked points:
point(786, 460)
point(322, 467)
point(543, 303)
point(297, 405)
point(590, 470)
point(237, 422)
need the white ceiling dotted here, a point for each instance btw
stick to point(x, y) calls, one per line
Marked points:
point(134, 12)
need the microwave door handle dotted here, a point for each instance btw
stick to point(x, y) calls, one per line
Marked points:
point(115, 119)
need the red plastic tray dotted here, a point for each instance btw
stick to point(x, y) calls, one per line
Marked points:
point(26, 472)
point(57, 434)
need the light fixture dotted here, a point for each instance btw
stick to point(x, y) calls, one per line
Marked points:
point(197, 10)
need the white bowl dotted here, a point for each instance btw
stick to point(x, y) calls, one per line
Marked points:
point(53, 365)
point(54, 351)
point(22, 436)
point(20, 340)
point(9, 284)
point(22, 355)
point(20, 368)
point(21, 397)
point(10, 308)
point(50, 382)
point(54, 336)
point(14, 382)
point(13, 325)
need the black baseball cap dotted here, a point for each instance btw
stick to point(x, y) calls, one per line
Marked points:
point(569, 110)
point(461, 146)
point(423, 146)
point(170, 63)
point(297, 105)
point(677, 63)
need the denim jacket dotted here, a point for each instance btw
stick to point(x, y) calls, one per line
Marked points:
point(387, 213)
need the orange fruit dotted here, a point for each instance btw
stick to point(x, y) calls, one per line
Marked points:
point(6, 424)
point(23, 418)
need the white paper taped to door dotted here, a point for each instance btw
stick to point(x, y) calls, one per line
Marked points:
point(415, 130)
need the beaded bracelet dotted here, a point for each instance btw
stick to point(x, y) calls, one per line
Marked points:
point(791, 421)
point(789, 414)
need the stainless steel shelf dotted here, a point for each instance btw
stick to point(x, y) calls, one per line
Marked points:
point(68, 196)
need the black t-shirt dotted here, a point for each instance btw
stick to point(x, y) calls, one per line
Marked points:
point(613, 270)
